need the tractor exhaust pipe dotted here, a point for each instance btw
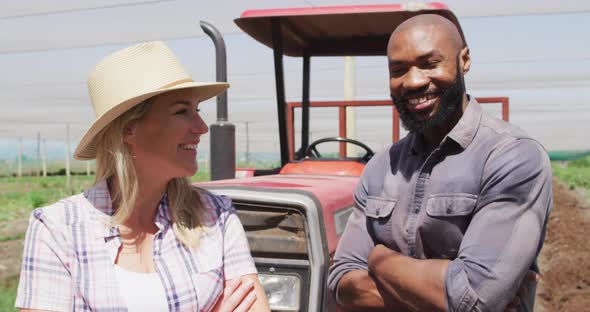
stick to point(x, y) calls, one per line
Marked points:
point(222, 151)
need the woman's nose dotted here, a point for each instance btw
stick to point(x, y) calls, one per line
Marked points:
point(199, 125)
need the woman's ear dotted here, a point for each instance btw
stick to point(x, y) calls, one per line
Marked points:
point(129, 132)
point(465, 60)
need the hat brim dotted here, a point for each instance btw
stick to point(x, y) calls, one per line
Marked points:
point(86, 150)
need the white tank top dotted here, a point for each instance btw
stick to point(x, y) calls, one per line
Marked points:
point(141, 291)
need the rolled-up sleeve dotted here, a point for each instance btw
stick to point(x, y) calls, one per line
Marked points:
point(507, 230)
point(356, 243)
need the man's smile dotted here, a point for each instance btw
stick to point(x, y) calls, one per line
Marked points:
point(420, 103)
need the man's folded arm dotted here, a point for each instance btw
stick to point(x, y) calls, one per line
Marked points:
point(507, 229)
point(349, 280)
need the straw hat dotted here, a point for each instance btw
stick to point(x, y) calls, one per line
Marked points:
point(131, 76)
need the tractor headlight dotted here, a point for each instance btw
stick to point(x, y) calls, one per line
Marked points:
point(283, 291)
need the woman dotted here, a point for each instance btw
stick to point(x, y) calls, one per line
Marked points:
point(142, 239)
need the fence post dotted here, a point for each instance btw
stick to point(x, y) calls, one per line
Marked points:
point(350, 95)
point(38, 156)
point(44, 158)
point(68, 157)
point(19, 170)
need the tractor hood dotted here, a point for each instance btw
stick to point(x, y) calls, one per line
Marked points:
point(329, 194)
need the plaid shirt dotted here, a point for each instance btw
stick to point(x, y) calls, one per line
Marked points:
point(70, 249)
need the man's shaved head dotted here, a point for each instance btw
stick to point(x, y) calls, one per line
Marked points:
point(429, 22)
point(427, 60)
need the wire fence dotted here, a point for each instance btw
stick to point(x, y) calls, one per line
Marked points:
point(44, 148)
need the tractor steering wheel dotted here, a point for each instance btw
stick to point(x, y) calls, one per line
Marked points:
point(312, 151)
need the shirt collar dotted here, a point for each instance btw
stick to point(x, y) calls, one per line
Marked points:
point(463, 132)
point(164, 216)
point(101, 209)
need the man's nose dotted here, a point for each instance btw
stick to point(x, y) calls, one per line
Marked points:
point(415, 79)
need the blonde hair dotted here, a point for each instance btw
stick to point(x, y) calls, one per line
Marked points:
point(114, 161)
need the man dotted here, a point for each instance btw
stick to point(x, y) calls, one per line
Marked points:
point(453, 216)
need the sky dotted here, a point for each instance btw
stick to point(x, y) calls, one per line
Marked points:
point(533, 52)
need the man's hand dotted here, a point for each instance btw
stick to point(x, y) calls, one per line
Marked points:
point(237, 296)
point(523, 291)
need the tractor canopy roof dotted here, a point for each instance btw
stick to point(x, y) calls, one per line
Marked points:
point(360, 30)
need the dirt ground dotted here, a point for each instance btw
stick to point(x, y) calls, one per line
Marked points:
point(564, 260)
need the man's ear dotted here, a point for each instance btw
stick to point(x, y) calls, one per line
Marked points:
point(465, 60)
point(129, 132)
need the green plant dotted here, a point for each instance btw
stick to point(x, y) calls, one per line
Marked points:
point(19, 196)
point(576, 174)
point(580, 163)
point(37, 199)
point(8, 294)
point(16, 236)
point(200, 176)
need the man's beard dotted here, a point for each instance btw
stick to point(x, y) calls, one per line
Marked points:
point(451, 99)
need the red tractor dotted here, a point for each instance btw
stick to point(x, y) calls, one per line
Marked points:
point(294, 215)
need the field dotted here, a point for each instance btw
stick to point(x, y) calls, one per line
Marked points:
point(575, 174)
point(18, 196)
point(564, 260)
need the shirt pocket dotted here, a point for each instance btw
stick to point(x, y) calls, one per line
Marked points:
point(451, 205)
point(378, 207)
point(379, 213)
point(447, 217)
point(209, 253)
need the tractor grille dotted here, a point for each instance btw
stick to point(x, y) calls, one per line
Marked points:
point(278, 242)
point(273, 232)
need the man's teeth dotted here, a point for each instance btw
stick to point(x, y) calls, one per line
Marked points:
point(422, 99)
point(188, 146)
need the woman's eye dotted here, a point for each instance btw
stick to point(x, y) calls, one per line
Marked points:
point(180, 112)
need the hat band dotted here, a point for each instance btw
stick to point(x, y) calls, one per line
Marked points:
point(175, 83)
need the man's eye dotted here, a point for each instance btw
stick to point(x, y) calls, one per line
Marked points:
point(180, 112)
point(396, 71)
point(431, 64)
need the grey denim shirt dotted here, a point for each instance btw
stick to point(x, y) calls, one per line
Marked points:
point(480, 199)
